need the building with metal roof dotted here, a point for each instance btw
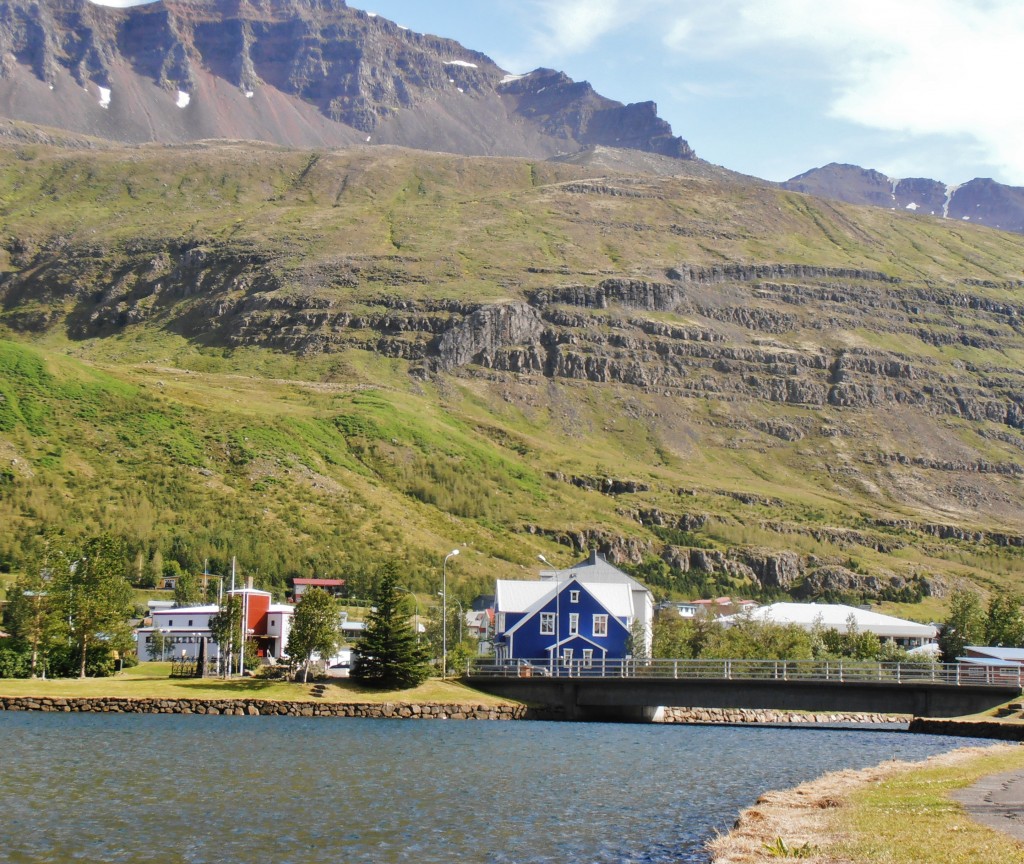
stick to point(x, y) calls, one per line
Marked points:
point(907, 634)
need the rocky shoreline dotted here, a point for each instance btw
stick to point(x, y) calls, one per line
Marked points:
point(405, 710)
point(969, 728)
point(770, 717)
point(264, 707)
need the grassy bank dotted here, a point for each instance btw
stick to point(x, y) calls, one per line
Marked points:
point(151, 681)
point(894, 813)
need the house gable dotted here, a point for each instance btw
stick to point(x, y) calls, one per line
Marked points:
point(527, 637)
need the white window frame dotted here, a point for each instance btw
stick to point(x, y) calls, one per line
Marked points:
point(588, 658)
point(547, 623)
point(574, 596)
point(600, 625)
point(567, 657)
point(574, 623)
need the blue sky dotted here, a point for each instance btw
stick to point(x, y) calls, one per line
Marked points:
point(912, 88)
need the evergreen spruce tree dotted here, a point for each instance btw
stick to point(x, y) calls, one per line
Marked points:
point(389, 656)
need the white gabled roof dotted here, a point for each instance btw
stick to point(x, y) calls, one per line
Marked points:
point(617, 599)
point(836, 615)
point(518, 596)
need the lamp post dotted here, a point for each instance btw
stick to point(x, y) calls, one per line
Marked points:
point(558, 614)
point(220, 584)
point(444, 613)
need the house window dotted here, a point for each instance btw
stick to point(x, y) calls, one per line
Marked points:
point(567, 656)
point(588, 658)
point(574, 596)
point(574, 623)
point(170, 623)
point(189, 622)
point(600, 625)
point(547, 623)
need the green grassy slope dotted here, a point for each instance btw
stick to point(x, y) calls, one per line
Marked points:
point(322, 462)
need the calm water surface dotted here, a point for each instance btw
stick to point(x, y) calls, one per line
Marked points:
point(204, 790)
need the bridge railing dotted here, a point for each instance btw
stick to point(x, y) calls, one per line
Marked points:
point(834, 671)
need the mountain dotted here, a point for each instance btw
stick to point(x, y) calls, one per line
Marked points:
point(238, 319)
point(303, 73)
point(312, 359)
point(981, 201)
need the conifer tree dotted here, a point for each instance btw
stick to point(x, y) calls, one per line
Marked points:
point(389, 656)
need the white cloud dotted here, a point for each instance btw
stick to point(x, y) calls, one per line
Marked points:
point(917, 67)
point(574, 25)
point(561, 28)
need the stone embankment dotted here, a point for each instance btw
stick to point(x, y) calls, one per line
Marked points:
point(969, 728)
point(264, 707)
point(766, 716)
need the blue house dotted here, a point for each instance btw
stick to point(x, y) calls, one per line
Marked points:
point(581, 615)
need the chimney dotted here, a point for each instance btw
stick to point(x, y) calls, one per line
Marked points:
point(593, 557)
point(248, 583)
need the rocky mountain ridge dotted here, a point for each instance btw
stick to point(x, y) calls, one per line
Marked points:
point(299, 73)
point(981, 201)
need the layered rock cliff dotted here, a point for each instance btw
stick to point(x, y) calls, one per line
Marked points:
point(302, 73)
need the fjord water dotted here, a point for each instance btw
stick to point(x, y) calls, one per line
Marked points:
point(198, 789)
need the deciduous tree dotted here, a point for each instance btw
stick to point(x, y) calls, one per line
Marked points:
point(225, 628)
point(93, 594)
point(1004, 625)
point(188, 590)
point(964, 626)
point(315, 629)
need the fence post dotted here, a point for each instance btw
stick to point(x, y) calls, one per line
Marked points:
point(675, 668)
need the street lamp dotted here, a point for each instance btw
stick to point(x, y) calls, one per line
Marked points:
point(558, 614)
point(444, 613)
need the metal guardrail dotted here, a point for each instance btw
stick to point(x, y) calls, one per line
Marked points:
point(832, 671)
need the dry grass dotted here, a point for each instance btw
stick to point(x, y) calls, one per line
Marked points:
point(151, 681)
point(894, 813)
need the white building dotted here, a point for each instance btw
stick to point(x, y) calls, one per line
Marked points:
point(187, 628)
point(906, 634)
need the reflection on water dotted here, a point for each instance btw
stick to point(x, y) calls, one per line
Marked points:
point(198, 789)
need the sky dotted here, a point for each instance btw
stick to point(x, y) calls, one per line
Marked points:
point(773, 88)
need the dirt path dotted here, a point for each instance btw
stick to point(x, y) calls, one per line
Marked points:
point(800, 816)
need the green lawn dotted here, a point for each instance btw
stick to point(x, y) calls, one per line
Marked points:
point(151, 681)
point(910, 818)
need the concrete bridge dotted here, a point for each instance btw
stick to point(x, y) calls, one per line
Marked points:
point(629, 690)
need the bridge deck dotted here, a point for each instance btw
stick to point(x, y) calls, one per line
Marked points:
point(618, 689)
